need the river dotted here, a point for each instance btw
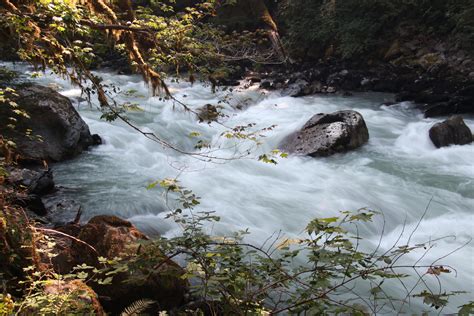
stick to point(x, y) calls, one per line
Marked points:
point(398, 172)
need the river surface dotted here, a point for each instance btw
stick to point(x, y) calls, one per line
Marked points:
point(398, 172)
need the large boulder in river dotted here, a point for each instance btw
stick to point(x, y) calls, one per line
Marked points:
point(57, 132)
point(452, 131)
point(327, 134)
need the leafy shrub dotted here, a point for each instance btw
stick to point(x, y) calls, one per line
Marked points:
point(314, 274)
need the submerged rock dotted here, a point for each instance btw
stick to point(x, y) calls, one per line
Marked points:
point(327, 134)
point(97, 140)
point(208, 113)
point(57, 132)
point(452, 131)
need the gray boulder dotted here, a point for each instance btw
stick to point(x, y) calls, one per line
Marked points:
point(62, 133)
point(453, 131)
point(327, 134)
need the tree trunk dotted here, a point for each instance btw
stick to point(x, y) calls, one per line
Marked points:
point(260, 9)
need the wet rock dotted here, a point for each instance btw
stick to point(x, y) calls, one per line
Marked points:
point(453, 131)
point(60, 210)
point(266, 84)
point(36, 182)
point(385, 85)
point(430, 98)
point(327, 134)
point(437, 109)
point(208, 113)
point(313, 88)
point(63, 134)
point(229, 82)
point(296, 89)
point(254, 79)
point(43, 183)
point(456, 105)
point(347, 94)
point(96, 140)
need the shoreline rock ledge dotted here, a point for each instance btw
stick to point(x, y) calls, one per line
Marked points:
point(327, 134)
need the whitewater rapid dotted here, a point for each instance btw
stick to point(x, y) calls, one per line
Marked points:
point(398, 172)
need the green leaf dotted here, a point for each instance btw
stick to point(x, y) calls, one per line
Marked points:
point(466, 309)
point(152, 185)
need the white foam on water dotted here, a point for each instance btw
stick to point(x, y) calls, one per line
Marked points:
point(398, 172)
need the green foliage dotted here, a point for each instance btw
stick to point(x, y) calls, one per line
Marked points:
point(47, 292)
point(7, 304)
point(137, 308)
point(466, 309)
point(313, 274)
point(13, 113)
point(7, 76)
point(272, 156)
point(357, 27)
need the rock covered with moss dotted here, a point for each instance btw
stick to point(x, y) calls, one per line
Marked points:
point(148, 276)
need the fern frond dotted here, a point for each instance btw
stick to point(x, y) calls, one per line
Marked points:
point(137, 307)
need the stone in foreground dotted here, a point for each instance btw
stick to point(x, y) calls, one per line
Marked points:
point(328, 134)
point(453, 131)
point(154, 276)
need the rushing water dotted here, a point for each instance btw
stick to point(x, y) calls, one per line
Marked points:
point(398, 172)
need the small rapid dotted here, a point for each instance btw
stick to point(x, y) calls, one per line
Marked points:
point(399, 172)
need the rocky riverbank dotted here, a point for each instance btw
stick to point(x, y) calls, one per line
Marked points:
point(43, 230)
point(63, 135)
point(435, 93)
